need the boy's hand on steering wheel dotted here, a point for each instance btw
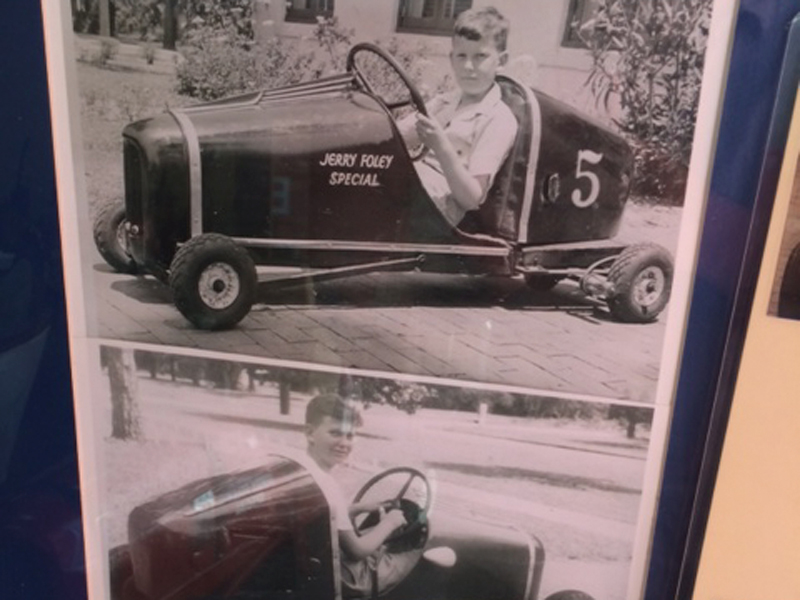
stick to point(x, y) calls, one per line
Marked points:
point(430, 132)
point(395, 517)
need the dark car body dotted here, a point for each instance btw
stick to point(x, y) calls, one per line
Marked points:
point(317, 176)
point(269, 533)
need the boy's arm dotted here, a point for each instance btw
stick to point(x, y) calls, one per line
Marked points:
point(358, 508)
point(469, 183)
point(468, 190)
point(359, 547)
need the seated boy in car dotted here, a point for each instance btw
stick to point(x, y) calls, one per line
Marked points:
point(367, 568)
point(469, 132)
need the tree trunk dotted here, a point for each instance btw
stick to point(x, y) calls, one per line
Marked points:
point(106, 28)
point(285, 394)
point(170, 24)
point(122, 382)
point(630, 431)
point(251, 379)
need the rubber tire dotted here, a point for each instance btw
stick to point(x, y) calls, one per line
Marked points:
point(106, 238)
point(789, 296)
point(569, 595)
point(191, 260)
point(120, 569)
point(622, 276)
point(542, 282)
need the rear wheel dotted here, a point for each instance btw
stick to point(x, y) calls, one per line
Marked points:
point(789, 297)
point(109, 237)
point(213, 281)
point(639, 283)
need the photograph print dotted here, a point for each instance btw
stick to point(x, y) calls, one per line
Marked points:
point(785, 298)
point(465, 189)
point(223, 479)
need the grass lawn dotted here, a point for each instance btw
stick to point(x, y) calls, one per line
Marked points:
point(110, 99)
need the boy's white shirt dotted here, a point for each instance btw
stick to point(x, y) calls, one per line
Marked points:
point(330, 489)
point(466, 125)
point(465, 128)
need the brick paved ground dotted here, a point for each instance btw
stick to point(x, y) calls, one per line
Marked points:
point(480, 329)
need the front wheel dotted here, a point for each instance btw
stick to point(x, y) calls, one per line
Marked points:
point(120, 567)
point(213, 281)
point(789, 296)
point(109, 238)
point(639, 283)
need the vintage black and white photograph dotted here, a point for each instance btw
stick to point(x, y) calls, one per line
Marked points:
point(473, 190)
point(785, 297)
point(225, 479)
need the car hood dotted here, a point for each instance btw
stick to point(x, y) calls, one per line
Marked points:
point(310, 122)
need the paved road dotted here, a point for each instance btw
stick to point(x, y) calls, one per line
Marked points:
point(478, 329)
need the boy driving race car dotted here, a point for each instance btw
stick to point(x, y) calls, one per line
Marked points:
point(469, 131)
point(367, 567)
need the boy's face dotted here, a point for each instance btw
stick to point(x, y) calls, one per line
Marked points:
point(330, 442)
point(475, 64)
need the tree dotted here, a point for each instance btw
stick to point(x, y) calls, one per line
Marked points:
point(648, 55)
point(170, 24)
point(106, 22)
point(407, 397)
point(285, 391)
point(630, 417)
point(125, 424)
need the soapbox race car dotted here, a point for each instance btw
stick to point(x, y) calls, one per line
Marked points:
point(317, 176)
point(269, 533)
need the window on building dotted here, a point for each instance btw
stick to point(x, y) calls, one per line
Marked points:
point(578, 14)
point(307, 11)
point(430, 16)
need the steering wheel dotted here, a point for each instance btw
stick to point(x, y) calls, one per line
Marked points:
point(415, 100)
point(415, 531)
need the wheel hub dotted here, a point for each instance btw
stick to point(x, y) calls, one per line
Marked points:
point(648, 286)
point(122, 237)
point(218, 285)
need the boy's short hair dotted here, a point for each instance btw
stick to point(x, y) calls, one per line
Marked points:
point(477, 24)
point(333, 406)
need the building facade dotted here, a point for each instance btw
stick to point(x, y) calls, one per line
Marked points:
point(545, 50)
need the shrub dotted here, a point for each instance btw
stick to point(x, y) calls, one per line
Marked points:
point(108, 50)
point(649, 56)
point(222, 63)
point(140, 18)
point(222, 15)
point(221, 59)
point(149, 53)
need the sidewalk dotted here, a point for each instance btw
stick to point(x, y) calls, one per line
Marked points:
point(147, 57)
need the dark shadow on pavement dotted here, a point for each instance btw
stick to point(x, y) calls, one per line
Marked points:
point(427, 289)
point(144, 289)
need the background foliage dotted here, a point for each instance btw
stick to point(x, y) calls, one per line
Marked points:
point(408, 397)
point(648, 56)
point(222, 59)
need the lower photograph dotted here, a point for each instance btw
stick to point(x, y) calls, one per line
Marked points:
point(214, 478)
